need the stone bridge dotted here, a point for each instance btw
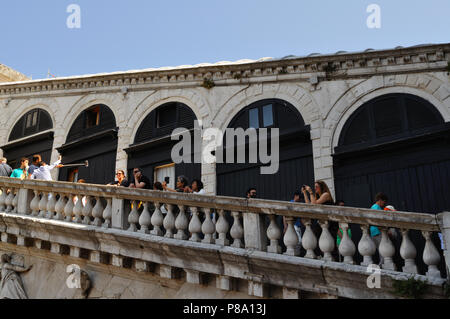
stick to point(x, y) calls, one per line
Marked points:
point(128, 243)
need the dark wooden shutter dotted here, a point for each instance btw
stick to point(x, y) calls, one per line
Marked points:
point(17, 131)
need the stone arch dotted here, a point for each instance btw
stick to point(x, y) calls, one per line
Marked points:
point(84, 103)
point(294, 94)
point(425, 87)
point(29, 105)
point(158, 98)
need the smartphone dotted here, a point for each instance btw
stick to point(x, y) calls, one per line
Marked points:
point(167, 179)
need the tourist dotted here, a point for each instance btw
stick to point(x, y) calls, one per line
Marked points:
point(380, 204)
point(120, 180)
point(321, 196)
point(181, 186)
point(340, 202)
point(140, 181)
point(43, 172)
point(251, 193)
point(22, 172)
point(196, 187)
point(36, 159)
point(5, 169)
point(158, 187)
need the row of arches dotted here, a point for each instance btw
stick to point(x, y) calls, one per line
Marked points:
point(396, 143)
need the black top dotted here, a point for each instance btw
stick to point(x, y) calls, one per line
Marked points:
point(143, 179)
point(5, 170)
point(125, 183)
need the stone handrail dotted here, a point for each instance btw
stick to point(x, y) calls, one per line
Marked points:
point(226, 221)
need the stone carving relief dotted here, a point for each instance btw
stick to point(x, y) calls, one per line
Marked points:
point(11, 286)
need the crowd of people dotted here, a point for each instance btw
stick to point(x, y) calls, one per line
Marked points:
point(141, 181)
point(37, 170)
point(321, 195)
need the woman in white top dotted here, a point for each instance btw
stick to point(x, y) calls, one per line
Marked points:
point(196, 187)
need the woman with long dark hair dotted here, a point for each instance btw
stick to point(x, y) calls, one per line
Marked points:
point(321, 196)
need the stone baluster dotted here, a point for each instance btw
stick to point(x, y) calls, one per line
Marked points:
point(169, 222)
point(9, 201)
point(51, 203)
point(181, 224)
point(87, 211)
point(237, 231)
point(69, 208)
point(34, 204)
point(274, 235)
point(77, 209)
point(386, 250)
point(195, 226)
point(347, 247)
point(133, 218)
point(208, 227)
point(291, 239)
point(15, 202)
point(326, 242)
point(59, 207)
point(107, 214)
point(431, 256)
point(366, 246)
point(97, 212)
point(408, 253)
point(309, 240)
point(2, 199)
point(43, 205)
point(157, 221)
point(145, 220)
point(222, 228)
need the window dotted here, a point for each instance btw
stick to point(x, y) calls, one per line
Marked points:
point(93, 117)
point(268, 116)
point(254, 118)
point(166, 115)
point(390, 117)
point(31, 120)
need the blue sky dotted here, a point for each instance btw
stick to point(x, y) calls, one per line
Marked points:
point(136, 34)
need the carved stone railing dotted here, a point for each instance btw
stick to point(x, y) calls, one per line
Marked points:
point(234, 222)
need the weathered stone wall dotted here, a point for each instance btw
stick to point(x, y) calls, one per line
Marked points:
point(325, 105)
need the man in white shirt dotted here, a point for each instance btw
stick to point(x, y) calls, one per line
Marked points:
point(43, 172)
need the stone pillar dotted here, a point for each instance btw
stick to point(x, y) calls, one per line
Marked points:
point(119, 219)
point(59, 138)
point(444, 224)
point(25, 198)
point(254, 231)
point(323, 161)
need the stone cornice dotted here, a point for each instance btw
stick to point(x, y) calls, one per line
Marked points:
point(421, 58)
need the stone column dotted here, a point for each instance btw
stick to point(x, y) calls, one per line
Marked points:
point(444, 224)
point(254, 231)
point(120, 211)
point(323, 161)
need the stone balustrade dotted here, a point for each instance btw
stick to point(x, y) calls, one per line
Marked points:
point(231, 222)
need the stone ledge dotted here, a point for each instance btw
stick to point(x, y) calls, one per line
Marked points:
point(245, 264)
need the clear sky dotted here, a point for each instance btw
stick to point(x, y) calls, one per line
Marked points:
point(136, 34)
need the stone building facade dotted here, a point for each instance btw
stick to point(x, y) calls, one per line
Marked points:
point(325, 89)
point(9, 75)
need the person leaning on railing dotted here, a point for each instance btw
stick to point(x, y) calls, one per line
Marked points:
point(320, 196)
point(5, 169)
point(22, 171)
